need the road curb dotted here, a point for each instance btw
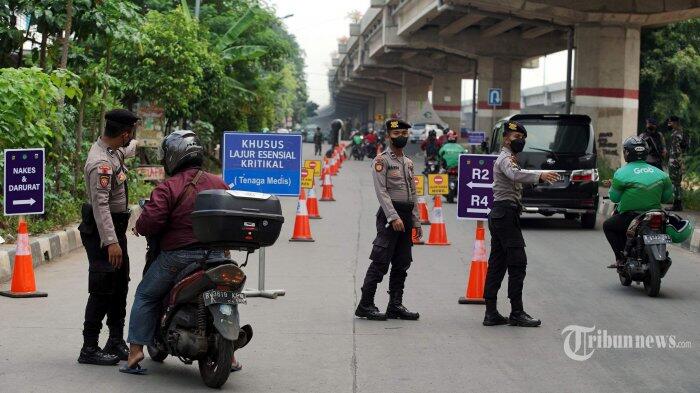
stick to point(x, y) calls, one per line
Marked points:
point(47, 247)
point(692, 243)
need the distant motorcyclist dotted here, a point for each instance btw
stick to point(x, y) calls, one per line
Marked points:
point(637, 187)
point(449, 152)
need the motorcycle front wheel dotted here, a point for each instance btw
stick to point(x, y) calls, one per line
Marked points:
point(652, 284)
point(215, 367)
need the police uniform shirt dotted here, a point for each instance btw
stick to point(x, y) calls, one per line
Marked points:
point(393, 181)
point(105, 178)
point(508, 177)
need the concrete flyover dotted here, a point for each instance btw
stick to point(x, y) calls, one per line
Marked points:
point(402, 50)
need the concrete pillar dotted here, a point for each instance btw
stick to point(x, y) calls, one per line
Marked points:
point(606, 84)
point(393, 103)
point(447, 98)
point(503, 74)
point(414, 96)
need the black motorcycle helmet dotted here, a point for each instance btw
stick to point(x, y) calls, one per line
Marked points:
point(179, 150)
point(635, 149)
point(432, 134)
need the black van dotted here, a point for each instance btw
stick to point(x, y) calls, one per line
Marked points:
point(563, 144)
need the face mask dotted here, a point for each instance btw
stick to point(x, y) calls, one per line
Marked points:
point(399, 142)
point(517, 145)
point(127, 143)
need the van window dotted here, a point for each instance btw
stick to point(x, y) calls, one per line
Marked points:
point(559, 138)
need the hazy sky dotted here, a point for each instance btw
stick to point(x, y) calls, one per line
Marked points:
point(317, 24)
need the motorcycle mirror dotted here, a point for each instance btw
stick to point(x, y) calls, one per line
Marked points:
point(485, 147)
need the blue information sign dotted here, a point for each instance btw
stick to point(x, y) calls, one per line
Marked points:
point(475, 186)
point(495, 96)
point(24, 181)
point(476, 137)
point(267, 163)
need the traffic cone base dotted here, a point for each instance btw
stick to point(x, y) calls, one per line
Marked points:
point(302, 230)
point(23, 284)
point(474, 294)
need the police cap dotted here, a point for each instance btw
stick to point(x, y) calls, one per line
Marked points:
point(514, 126)
point(397, 124)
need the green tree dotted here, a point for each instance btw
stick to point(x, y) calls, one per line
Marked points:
point(670, 80)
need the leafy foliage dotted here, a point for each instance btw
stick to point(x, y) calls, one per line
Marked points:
point(670, 80)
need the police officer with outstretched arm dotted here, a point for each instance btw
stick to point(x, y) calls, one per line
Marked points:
point(507, 243)
point(392, 172)
point(103, 233)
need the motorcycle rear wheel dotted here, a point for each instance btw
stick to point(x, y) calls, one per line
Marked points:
point(652, 284)
point(215, 367)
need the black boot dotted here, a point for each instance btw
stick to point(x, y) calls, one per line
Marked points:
point(118, 348)
point(518, 316)
point(492, 317)
point(366, 308)
point(94, 355)
point(396, 310)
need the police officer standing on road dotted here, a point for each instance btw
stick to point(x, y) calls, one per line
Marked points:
point(103, 233)
point(676, 165)
point(393, 173)
point(507, 243)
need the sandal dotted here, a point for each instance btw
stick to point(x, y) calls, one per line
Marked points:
point(135, 370)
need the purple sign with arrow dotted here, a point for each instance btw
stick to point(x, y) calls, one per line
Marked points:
point(24, 181)
point(475, 186)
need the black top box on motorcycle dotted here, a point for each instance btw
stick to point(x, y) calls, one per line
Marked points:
point(236, 220)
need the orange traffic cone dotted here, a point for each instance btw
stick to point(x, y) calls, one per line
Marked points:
point(474, 293)
point(312, 204)
point(302, 230)
point(327, 185)
point(438, 231)
point(23, 284)
point(423, 211)
point(414, 236)
point(334, 164)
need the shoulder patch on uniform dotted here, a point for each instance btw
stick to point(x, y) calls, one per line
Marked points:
point(105, 169)
point(104, 181)
point(378, 166)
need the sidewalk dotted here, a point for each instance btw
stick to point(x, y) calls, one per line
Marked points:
point(45, 248)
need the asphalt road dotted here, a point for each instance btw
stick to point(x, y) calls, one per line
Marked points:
point(309, 341)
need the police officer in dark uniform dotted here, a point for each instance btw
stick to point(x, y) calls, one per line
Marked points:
point(103, 233)
point(393, 174)
point(507, 243)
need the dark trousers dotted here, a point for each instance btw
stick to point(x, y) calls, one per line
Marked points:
point(615, 229)
point(318, 147)
point(390, 248)
point(507, 254)
point(107, 286)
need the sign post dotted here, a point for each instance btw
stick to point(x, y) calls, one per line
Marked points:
point(267, 163)
point(24, 181)
point(495, 100)
point(475, 186)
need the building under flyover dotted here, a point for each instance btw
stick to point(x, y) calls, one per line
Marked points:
point(403, 49)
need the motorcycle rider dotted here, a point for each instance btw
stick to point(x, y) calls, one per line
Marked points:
point(637, 187)
point(430, 147)
point(167, 217)
point(449, 152)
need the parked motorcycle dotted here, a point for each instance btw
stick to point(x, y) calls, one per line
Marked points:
point(646, 257)
point(199, 319)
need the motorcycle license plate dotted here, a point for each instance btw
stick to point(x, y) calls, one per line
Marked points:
point(657, 239)
point(216, 296)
